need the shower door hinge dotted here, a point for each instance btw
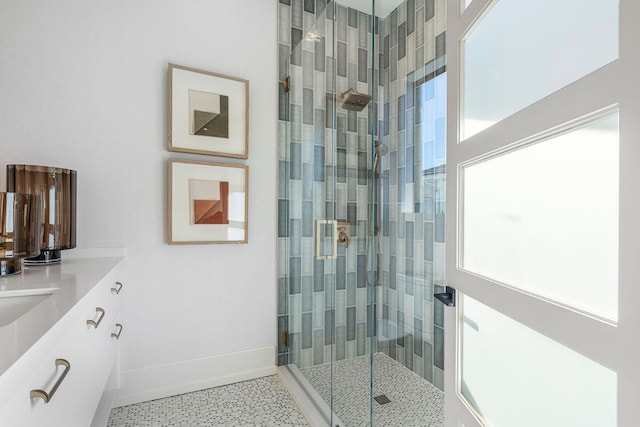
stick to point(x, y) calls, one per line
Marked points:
point(285, 339)
point(285, 84)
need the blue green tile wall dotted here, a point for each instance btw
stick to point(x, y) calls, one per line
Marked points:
point(414, 82)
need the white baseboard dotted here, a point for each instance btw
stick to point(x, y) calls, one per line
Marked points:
point(141, 385)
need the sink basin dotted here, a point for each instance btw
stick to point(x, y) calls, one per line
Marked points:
point(15, 303)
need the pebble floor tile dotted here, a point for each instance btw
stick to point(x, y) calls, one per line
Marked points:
point(260, 402)
point(414, 401)
point(266, 402)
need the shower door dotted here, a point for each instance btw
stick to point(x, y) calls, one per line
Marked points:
point(543, 214)
point(307, 214)
point(324, 212)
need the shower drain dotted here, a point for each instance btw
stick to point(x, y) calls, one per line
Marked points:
point(382, 399)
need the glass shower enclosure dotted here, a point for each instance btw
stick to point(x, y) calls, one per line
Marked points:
point(361, 207)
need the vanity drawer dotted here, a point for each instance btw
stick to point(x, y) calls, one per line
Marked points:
point(86, 356)
point(72, 370)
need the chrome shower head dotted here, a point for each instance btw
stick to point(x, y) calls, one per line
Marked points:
point(354, 100)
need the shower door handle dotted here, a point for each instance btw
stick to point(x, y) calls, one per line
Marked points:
point(321, 238)
point(448, 297)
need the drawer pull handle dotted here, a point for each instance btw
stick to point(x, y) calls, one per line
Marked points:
point(117, 335)
point(92, 322)
point(48, 396)
point(117, 288)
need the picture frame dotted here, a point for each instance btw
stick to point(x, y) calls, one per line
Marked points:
point(208, 113)
point(207, 202)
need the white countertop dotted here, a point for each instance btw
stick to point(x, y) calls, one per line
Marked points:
point(73, 278)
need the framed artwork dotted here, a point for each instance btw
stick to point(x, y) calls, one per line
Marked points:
point(208, 202)
point(208, 113)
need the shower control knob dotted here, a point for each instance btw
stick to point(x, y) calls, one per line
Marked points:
point(343, 236)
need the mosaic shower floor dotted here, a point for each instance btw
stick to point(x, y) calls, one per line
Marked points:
point(260, 402)
point(414, 401)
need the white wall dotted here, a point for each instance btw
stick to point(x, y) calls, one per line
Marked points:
point(83, 85)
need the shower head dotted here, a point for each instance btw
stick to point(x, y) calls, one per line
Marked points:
point(381, 149)
point(354, 100)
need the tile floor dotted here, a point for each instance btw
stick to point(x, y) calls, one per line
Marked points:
point(260, 402)
point(414, 401)
point(266, 402)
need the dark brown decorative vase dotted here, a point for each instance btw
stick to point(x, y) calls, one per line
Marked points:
point(19, 230)
point(57, 188)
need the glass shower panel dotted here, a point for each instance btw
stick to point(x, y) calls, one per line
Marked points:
point(352, 46)
point(330, 141)
point(362, 159)
point(408, 368)
point(309, 204)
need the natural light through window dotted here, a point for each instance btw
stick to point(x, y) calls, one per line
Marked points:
point(522, 51)
point(544, 218)
point(431, 119)
point(514, 376)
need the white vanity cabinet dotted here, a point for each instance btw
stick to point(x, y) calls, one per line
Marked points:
point(60, 379)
